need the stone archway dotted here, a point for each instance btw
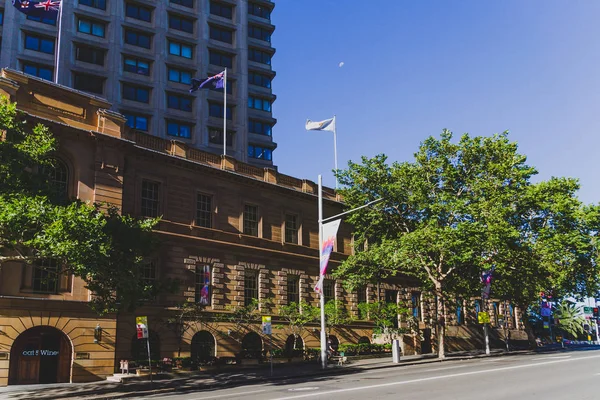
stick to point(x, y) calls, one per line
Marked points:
point(203, 347)
point(252, 346)
point(41, 354)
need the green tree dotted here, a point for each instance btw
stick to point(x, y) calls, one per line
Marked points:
point(183, 318)
point(95, 243)
point(570, 319)
point(297, 316)
point(336, 315)
point(384, 316)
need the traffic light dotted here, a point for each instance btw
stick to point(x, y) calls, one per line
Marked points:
point(595, 311)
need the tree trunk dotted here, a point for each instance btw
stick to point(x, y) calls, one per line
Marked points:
point(441, 321)
point(528, 328)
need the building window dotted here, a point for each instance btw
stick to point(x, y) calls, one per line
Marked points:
point(203, 292)
point(43, 20)
point(262, 128)
point(57, 176)
point(496, 307)
point(221, 10)
point(136, 66)
point(180, 49)
point(136, 93)
point(216, 110)
point(260, 153)
point(460, 316)
point(185, 3)
point(250, 220)
point(89, 54)
point(179, 76)
point(40, 71)
point(222, 35)
point(361, 298)
point(179, 129)
point(328, 290)
point(293, 289)
point(220, 59)
point(100, 4)
point(259, 11)
point(391, 297)
point(204, 210)
point(416, 305)
point(138, 12)
point(89, 83)
point(477, 305)
point(259, 33)
point(181, 24)
point(136, 122)
point(45, 276)
point(176, 102)
point(259, 56)
point(259, 104)
point(90, 27)
point(148, 273)
point(259, 80)
point(291, 228)
point(215, 136)
point(1, 16)
point(39, 43)
point(138, 39)
point(250, 286)
point(150, 198)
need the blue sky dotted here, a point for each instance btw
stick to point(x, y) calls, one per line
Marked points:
point(412, 68)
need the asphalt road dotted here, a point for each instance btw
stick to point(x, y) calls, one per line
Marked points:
point(574, 376)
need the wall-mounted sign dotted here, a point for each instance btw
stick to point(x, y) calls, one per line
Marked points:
point(82, 356)
point(35, 353)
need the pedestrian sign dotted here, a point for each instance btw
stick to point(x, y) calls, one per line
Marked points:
point(266, 325)
point(483, 317)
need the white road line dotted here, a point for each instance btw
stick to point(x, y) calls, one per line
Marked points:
point(227, 395)
point(441, 369)
point(549, 358)
point(434, 378)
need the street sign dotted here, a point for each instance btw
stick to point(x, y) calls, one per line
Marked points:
point(266, 325)
point(483, 317)
point(141, 326)
point(588, 310)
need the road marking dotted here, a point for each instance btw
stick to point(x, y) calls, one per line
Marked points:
point(228, 395)
point(434, 378)
point(549, 358)
point(303, 388)
point(441, 369)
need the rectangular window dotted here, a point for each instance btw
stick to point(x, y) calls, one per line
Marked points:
point(181, 24)
point(185, 3)
point(260, 153)
point(259, 104)
point(259, 80)
point(139, 39)
point(150, 198)
point(222, 35)
point(136, 121)
point(177, 102)
point(1, 16)
point(291, 228)
point(180, 49)
point(220, 59)
point(215, 136)
point(262, 128)
point(250, 220)
point(136, 66)
point(40, 71)
point(361, 298)
point(43, 20)
point(99, 4)
point(259, 33)
point(460, 316)
point(259, 56)
point(221, 10)
point(90, 27)
point(204, 210)
point(179, 129)
point(496, 307)
point(216, 110)
point(89, 83)
point(45, 276)
point(293, 289)
point(39, 43)
point(259, 11)
point(136, 93)
point(138, 12)
point(391, 296)
point(203, 292)
point(89, 54)
point(328, 290)
point(250, 286)
point(148, 273)
point(179, 76)
point(416, 305)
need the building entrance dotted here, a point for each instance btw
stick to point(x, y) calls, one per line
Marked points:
point(40, 355)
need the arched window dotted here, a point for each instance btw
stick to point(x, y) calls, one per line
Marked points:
point(252, 346)
point(203, 347)
point(57, 176)
point(364, 340)
point(294, 346)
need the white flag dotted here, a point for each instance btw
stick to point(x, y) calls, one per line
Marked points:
point(325, 125)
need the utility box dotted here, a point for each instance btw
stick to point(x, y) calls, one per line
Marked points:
point(396, 351)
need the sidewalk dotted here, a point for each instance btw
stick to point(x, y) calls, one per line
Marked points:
point(197, 382)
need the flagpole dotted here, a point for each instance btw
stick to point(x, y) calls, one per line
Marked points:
point(335, 150)
point(322, 295)
point(57, 52)
point(225, 113)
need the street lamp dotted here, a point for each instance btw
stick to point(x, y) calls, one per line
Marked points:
point(322, 295)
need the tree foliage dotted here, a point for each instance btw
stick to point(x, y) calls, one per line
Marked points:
point(570, 319)
point(384, 316)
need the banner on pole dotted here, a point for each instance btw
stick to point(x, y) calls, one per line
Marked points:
point(141, 326)
point(329, 233)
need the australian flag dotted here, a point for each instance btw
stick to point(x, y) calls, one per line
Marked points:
point(42, 8)
point(212, 82)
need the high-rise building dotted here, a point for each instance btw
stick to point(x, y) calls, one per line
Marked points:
point(141, 56)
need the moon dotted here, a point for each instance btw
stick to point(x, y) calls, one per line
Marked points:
point(341, 64)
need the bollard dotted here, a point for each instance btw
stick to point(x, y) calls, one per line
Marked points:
point(395, 351)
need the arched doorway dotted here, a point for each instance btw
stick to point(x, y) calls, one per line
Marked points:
point(294, 346)
point(252, 346)
point(41, 354)
point(203, 347)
